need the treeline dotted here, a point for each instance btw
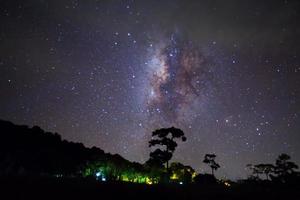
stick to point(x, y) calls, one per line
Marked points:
point(28, 151)
point(32, 151)
point(283, 171)
point(25, 150)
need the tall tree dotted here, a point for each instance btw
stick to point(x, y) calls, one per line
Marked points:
point(165, 139)
point(284, 167)
point(210, 160)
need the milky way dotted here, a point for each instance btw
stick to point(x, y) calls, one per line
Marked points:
point(178, 75)
point(108, 73)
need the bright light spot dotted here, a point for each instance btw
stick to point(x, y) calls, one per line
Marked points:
point(98, 174)
point(227, 184)
point(103, 179)
point(174, 177)
point(194, 174)
point(180, 183)
point(152, 93)
point(148, 181)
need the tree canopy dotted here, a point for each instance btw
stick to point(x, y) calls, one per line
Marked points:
point(165, 140)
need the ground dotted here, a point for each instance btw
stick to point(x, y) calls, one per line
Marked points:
point(77, 188)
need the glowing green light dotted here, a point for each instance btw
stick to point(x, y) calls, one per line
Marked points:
point(174, 177)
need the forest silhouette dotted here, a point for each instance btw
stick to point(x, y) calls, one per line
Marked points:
point(43, 159)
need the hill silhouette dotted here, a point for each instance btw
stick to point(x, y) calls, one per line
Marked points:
point(33, 151)
point(35, 164)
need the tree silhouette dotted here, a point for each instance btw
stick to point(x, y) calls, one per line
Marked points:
point(255, 172)
point(266, 169)
point(181, 173)
point(33, 151)
point(205, 179)
point(283, 171)
point(210, 160)
point(164, 137)
point(284, 168)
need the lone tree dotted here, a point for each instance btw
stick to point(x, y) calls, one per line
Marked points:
point(164, 137)
point(210, 160)
point(284, 166)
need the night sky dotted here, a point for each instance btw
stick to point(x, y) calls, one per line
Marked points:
point(108, 73)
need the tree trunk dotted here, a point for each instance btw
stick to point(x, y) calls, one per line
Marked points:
point(167, 150)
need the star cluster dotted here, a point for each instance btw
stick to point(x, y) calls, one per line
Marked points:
point(108, 73)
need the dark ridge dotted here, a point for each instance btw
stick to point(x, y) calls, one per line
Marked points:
point(25, 150)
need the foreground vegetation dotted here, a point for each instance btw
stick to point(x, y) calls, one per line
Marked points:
point(35, 162)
